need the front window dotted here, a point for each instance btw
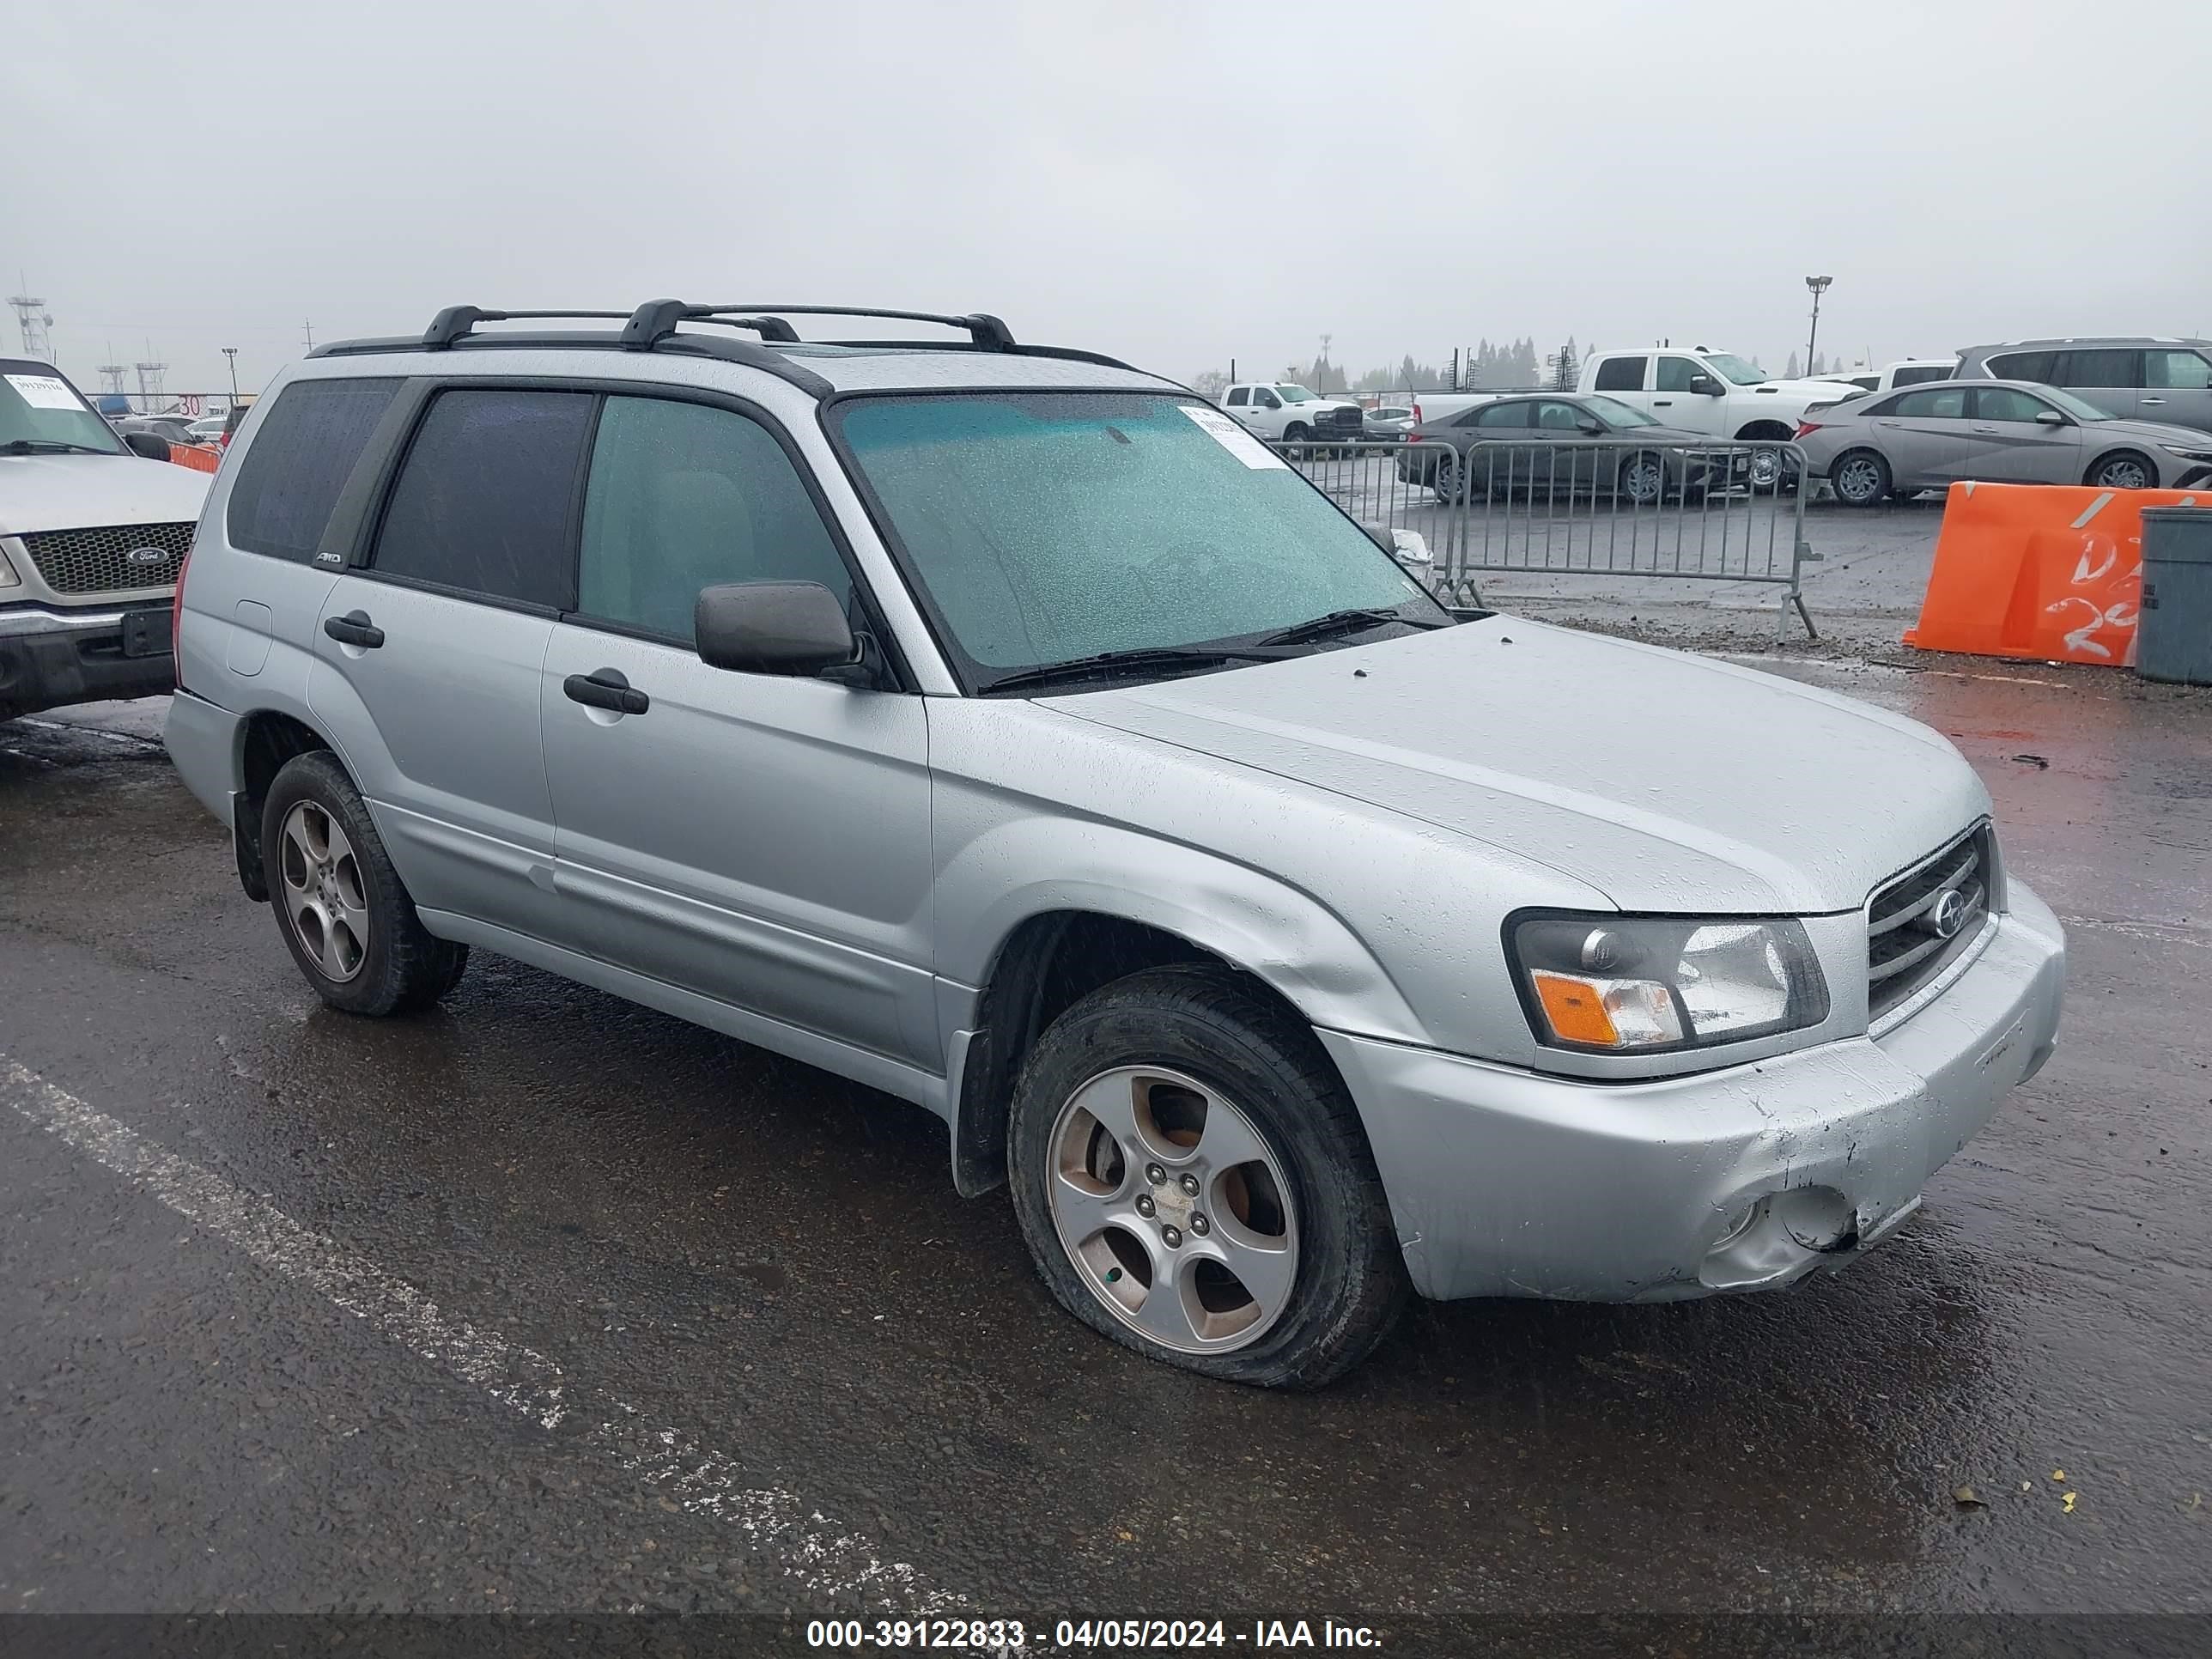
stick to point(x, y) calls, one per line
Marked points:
point(1042, 528)
point(40, 411)
point(1736, 369)
point(1614, 412)
point(1295, 394)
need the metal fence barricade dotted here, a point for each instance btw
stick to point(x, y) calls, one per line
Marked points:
point(1725, 510)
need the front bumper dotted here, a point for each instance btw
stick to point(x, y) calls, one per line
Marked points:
point(1503, 1183)
point(51, 655)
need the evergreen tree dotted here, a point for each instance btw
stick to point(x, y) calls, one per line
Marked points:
point(1789, 369)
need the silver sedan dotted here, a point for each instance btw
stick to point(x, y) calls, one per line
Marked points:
point(1992, 432)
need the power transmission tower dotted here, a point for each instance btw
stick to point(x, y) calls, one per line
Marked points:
point(113, 374)
point(150, 381)
point(32, 321)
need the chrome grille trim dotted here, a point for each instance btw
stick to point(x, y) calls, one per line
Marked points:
point(1904, 951)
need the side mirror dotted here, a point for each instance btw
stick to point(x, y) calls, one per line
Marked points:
point(772, 628)
point(1589, 428)
point(2049, 417)
point(1704, 385)
point(152, 446)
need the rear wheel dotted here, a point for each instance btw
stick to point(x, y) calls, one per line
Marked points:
point(2122, 469)
point(1447, 477)
point(345, 914)
point(1860, 478)
point(1193, 1181)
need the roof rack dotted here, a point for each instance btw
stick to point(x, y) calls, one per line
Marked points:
point(652, 327)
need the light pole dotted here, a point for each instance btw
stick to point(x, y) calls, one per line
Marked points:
point(1820, 286)
point(231, 352)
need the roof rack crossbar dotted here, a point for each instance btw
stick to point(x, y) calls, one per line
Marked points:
point(986, 330)
point(456, 321)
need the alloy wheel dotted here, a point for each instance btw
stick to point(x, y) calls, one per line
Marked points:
point(1173, 1209)
point(323, 893)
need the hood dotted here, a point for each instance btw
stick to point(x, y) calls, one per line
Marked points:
point(71, 492)
point(1668, 782)
point(1799, 389)
point(2153, 432)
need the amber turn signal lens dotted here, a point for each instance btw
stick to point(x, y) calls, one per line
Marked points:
point(1576, 1009)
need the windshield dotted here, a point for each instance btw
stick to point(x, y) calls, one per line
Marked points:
point(37, 407)
point(1294, 394)
point(1736, 369)
point(1045, 527)
point(1617, 413)
point(2073, 405)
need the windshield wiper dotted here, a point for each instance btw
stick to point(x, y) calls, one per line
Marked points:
point(1351, 621)
point(1106, 665)
point(49, 446)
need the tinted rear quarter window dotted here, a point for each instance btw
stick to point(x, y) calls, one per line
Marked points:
point(486, 499)
point(2101, 367)
point(298, 462)
point(1620, 374)
point(2023, 365)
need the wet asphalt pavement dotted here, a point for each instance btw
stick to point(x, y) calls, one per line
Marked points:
point(784, 1355)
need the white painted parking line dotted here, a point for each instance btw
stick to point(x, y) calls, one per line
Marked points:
point(822, 1559)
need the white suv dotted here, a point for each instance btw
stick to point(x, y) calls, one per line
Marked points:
point(94, 528)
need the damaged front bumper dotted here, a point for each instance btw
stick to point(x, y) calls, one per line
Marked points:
point(1503, 1183)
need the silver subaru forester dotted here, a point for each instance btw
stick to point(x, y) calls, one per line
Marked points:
point(1000, 727)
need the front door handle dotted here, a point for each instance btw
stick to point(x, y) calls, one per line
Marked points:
point(1990, 429)
point(2154, 400)
point(607, 689)
point(354, 629)
point(1662, 403)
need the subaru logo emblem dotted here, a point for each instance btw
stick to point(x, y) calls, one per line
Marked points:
point(146, 555)
point(1948, 914)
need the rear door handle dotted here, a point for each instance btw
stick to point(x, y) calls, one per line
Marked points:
point(1885, 422)
point(608, 689)
point(1990, 429)
point(1662, 403)
point(354, 629)
point(2154, 400)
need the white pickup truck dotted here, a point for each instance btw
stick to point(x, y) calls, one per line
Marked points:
point(1708, 391)
point(1282, 412)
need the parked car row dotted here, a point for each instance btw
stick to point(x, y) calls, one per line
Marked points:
point(1543, 442)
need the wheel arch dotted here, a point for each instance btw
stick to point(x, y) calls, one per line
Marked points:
point(267, 738)
point(1051, 957)
point(1782, 431)
point(2135, 451)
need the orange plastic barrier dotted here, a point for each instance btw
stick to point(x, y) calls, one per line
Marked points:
point(191, 455)
point(2039, 572)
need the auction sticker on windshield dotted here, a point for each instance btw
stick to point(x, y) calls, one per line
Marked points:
point(1233, 438)
point(44, 391)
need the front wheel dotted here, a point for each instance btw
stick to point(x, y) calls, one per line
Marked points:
point(1193, 1181)
point(1642, 480)
point(2124, 470)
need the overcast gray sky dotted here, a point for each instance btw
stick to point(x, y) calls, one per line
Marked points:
point(1170, 180)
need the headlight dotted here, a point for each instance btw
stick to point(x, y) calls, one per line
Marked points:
point(1611, 984)
point(2189, 455)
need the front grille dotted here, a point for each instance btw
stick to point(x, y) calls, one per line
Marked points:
point(1349, 419)
point(1914, 929)
point(99, 560)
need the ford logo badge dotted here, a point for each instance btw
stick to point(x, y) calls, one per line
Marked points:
point(146, 555)
point(1948, 914)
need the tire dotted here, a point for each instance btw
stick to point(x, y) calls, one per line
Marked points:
point(1306, 1218)
point(1447, 477)
point(330, 881)
point(1641, 479)
point(1860, 477)
point(2123, 468)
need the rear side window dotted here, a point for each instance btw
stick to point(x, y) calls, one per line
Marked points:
point(1620, 374)
point(2100, 369)
point(683, 496)
point(1932, 372)
point(299, 462)
point(1947, 404)
point(2023, 365)
point(1239, 397)
point(1509, 417)
point(485, 501)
